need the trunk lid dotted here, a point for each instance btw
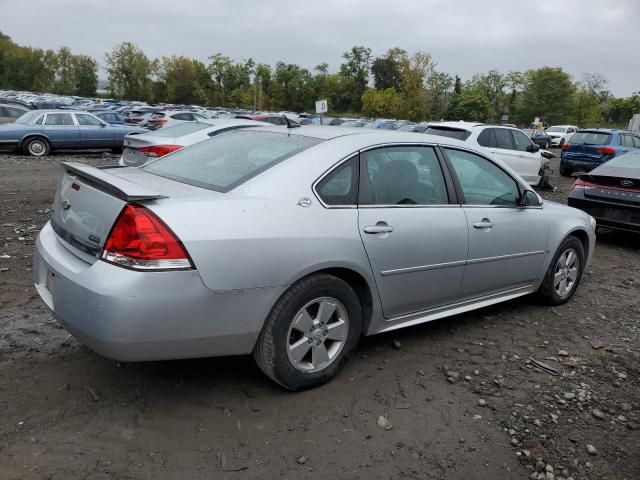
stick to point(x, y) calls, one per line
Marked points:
point(87, 203)
point(131, 155)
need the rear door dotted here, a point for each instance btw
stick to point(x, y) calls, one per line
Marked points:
point(507, 242)
point(62, 131)
point(414, 232)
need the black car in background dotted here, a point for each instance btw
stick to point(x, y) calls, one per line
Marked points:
point(611, 193)
point(539, 137)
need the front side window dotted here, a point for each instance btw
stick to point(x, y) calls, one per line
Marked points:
point(482, 182)
point(340, 187)
point(408, 175)
point(504, 139)
point(522, 142)
point(58, 119)
point(89, 120)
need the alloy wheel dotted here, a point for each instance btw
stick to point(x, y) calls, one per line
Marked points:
point(317, 334)
point(566, 272)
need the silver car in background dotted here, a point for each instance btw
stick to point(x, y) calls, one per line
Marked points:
point(140, 149)
point(292, 243)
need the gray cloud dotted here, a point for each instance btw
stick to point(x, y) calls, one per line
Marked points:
point(464, 37)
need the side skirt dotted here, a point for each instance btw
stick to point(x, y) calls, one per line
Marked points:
point(451, 309)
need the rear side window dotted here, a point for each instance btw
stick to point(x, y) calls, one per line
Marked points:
point(340, 187)
point(157, 115)
point(487, 138)
point(591, 138)
point(504, 139)
point(457, 133)
point(626, 140)
point(223, 162)
point(57, 119)
point(405, 176)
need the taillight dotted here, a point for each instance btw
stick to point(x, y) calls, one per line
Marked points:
point(607, 150)
point(580, 184)
point(159, 150)
point(159, 121)
point(565, 146)
point(141, 241)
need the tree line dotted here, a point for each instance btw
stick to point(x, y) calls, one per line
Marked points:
point(393, 85)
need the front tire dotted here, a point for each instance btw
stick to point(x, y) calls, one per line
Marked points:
point(565, 271)
point(310, 332)
point(36, 147)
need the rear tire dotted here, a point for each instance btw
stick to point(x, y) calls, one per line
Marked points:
point(36, 147)
point(565, 271)
point(297, 347)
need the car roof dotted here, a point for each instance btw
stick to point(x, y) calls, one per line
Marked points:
point(364, 136)
point(603, 130)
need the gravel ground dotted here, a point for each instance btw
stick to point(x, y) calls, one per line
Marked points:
point(465, 397)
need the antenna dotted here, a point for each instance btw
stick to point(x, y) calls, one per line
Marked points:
point(289, 124)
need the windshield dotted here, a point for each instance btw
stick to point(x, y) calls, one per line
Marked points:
point(28, 117)
point(180, 129)
point(449, 132)
point(628, 160)
point(591, 138)
point(224, 162)
point(556, 129)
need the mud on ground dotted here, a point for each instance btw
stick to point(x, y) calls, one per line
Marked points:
point(465, 396)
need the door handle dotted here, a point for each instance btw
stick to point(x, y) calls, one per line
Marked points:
point(380, 227)
point(484, 223)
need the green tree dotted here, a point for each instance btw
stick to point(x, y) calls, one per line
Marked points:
point(387, 70)
point(355, 71)
point(381, 103)
point(471, 105)
point(549, 94)
point(85, 76)
point(129, 72)
point(185, 80)
point(64, 77)
point(492, 85)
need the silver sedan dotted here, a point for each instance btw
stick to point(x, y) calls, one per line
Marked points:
point(292, 244)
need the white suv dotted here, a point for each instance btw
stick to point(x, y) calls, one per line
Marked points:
point(509, 145)
point(560, 134)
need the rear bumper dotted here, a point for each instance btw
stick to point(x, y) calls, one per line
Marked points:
point(580, 163)
point(608, 214)
point(138, 316)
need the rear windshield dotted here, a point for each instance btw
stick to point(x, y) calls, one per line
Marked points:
point(449, 132)
point(591, 138)
point(222, 163)
point(628, 160)
point(27, 118)
point(157, 115)
point(180, 129)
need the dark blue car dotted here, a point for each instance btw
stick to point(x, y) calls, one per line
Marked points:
point(590, 148)
point(109, 116)
point(37, 132)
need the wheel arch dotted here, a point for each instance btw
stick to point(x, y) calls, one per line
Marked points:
point(29, 136)
point(364, 288)
point(583, 236)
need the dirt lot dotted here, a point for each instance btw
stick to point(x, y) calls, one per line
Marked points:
point(462, 394)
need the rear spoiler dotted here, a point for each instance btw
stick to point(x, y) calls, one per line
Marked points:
point(117, 186)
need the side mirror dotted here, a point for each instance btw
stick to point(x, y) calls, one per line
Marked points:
point(530, 199)
point(533, 148)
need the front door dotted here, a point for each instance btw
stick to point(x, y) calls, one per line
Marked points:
point(507, 242)
point(416, 240)
point(94, 133)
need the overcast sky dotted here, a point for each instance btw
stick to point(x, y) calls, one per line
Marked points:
point(464, 36)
